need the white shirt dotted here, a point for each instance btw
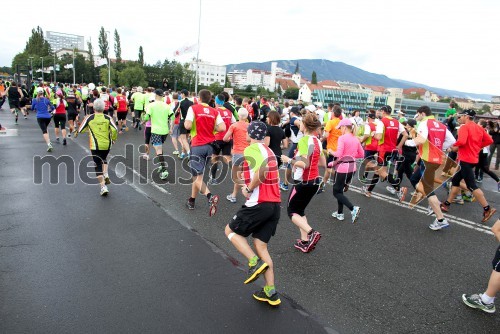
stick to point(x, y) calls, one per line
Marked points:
point(321, 114)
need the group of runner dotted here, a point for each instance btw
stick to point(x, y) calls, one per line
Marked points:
point(250, 137)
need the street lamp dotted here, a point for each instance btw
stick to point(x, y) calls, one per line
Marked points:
point(74, 75)
point(109, 60)
point(42, 67)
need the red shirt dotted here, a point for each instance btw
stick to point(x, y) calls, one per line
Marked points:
point(204, 120)
point(227, 117)
point(390, 135)
point(122, 103)
point(471, 139)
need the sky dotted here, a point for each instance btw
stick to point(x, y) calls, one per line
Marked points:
point(446, 44)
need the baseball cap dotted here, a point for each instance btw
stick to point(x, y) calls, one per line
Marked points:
point(311, 108)
point(344, 122)
point(185, 92)
point(295, 110)
point(158, 92)
point(468, 112)
point(412, 122)
point(257, 130)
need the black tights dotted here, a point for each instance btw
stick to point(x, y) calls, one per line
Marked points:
point(342, 179)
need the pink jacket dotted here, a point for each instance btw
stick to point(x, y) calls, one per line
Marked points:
point(348, 149)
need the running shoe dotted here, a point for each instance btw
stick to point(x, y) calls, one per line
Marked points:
point(430, 212)
point(273, 300)
point(469, 198)
point(106, 179)
point(212, 181)
point(402, 193)
point(338, 216)
point(255, 271)
point(64, 141)
point(437, 225)
point(479, 179)
point(182, 155)
point(230, 198)
point(49, 147)
point(391, 190)
point(57, 140)
point(355, 213)
point(69, 134)
point(301, 246)
point(366, 192)
point(145, 156)
point(475, 301)
point(329, 181)
point(458, 200)
point(313, 240)
point(163, 173)
point(321, 188)
point(498, 186)
point(283, 186)
point(212, 202)
point(487, 214)
point(444, 207)
point(25, 117)
point(175, 152)
point(190, 204)
point(104, 191)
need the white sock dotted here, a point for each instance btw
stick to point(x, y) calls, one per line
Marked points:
point(487, 299)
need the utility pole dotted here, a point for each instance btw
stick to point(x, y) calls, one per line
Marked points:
point(42, 67)
point(55, 79)
point(197, 54)
point(74, 74)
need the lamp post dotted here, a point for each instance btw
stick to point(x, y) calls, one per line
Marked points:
point(31, 66)
point(74, 74)
point(42, 67)
point(109, 60)
point(55, 79)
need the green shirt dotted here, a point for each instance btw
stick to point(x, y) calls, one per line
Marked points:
point(102, 131)
point(450, 112)
point(138, 99)
point(160, 114)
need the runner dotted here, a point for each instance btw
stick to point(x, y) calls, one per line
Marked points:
point(331, 134)
point(15, 95)
point(202, 120)
point(148, 98)
point(296, 134)
point(159, 113)
point(183, 108)
point(471, 139)
point(238, 131)
point(25, 100)
point(221, 146)
point(432, 138)
point(275, 135)
point(102, 134)
point(486, 301)
point(387, 133)
point(72, 100)
point(121, 110)
point(138, 100)
point(306, 181)
point(60, 116)
point(260, 214)
point(370, 145)
point(175, 128)
point(348, 149)
point(42, 106)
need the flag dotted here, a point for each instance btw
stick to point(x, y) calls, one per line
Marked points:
point(68, 66)
point(100, 61)
point(186, 49)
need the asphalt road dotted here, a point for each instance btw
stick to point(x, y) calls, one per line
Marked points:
point(140, 261)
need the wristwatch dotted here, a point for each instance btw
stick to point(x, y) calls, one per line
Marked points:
point(248, 190)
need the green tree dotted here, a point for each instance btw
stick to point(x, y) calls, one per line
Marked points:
point(279, 91)
point(485, 108)
point(227, 83)
point(297, 68)
point(291, 93)
point(248, 89)
point(36, 44)
point(118, 47)
point(216, 88)
point(103, 44)
point(133, 75)
point(103, 75)
point(90, 72)
point(314, 79)
point(141, 56)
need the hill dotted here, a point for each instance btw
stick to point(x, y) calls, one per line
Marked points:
point(339, 71)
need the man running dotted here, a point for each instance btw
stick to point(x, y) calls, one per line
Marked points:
point(160, 115)
point(138, 99)
point(260, 214)
point(183, 108)
point(121, 110)
point(102, 134)
point(202, 120)
point(432, 138)
point(471, 139)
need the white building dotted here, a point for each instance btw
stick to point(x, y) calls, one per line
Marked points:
point(61, 52)
point(209, 73)
point(238, 79)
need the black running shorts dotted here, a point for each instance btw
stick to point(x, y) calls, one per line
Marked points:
point(60, 121)
point(260, 221)
point(223, 147)
point(496, 260)
point(465, 173)
point(300, 196)
point(121, 115)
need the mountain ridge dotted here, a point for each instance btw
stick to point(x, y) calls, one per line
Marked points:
point(340, 71)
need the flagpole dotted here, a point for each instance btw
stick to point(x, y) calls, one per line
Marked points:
point(198, 54)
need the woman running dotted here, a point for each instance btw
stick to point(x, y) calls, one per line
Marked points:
point(60, 116)
point(348, 150)
point(15, 95)
point(43, 109)
point(306, 176)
